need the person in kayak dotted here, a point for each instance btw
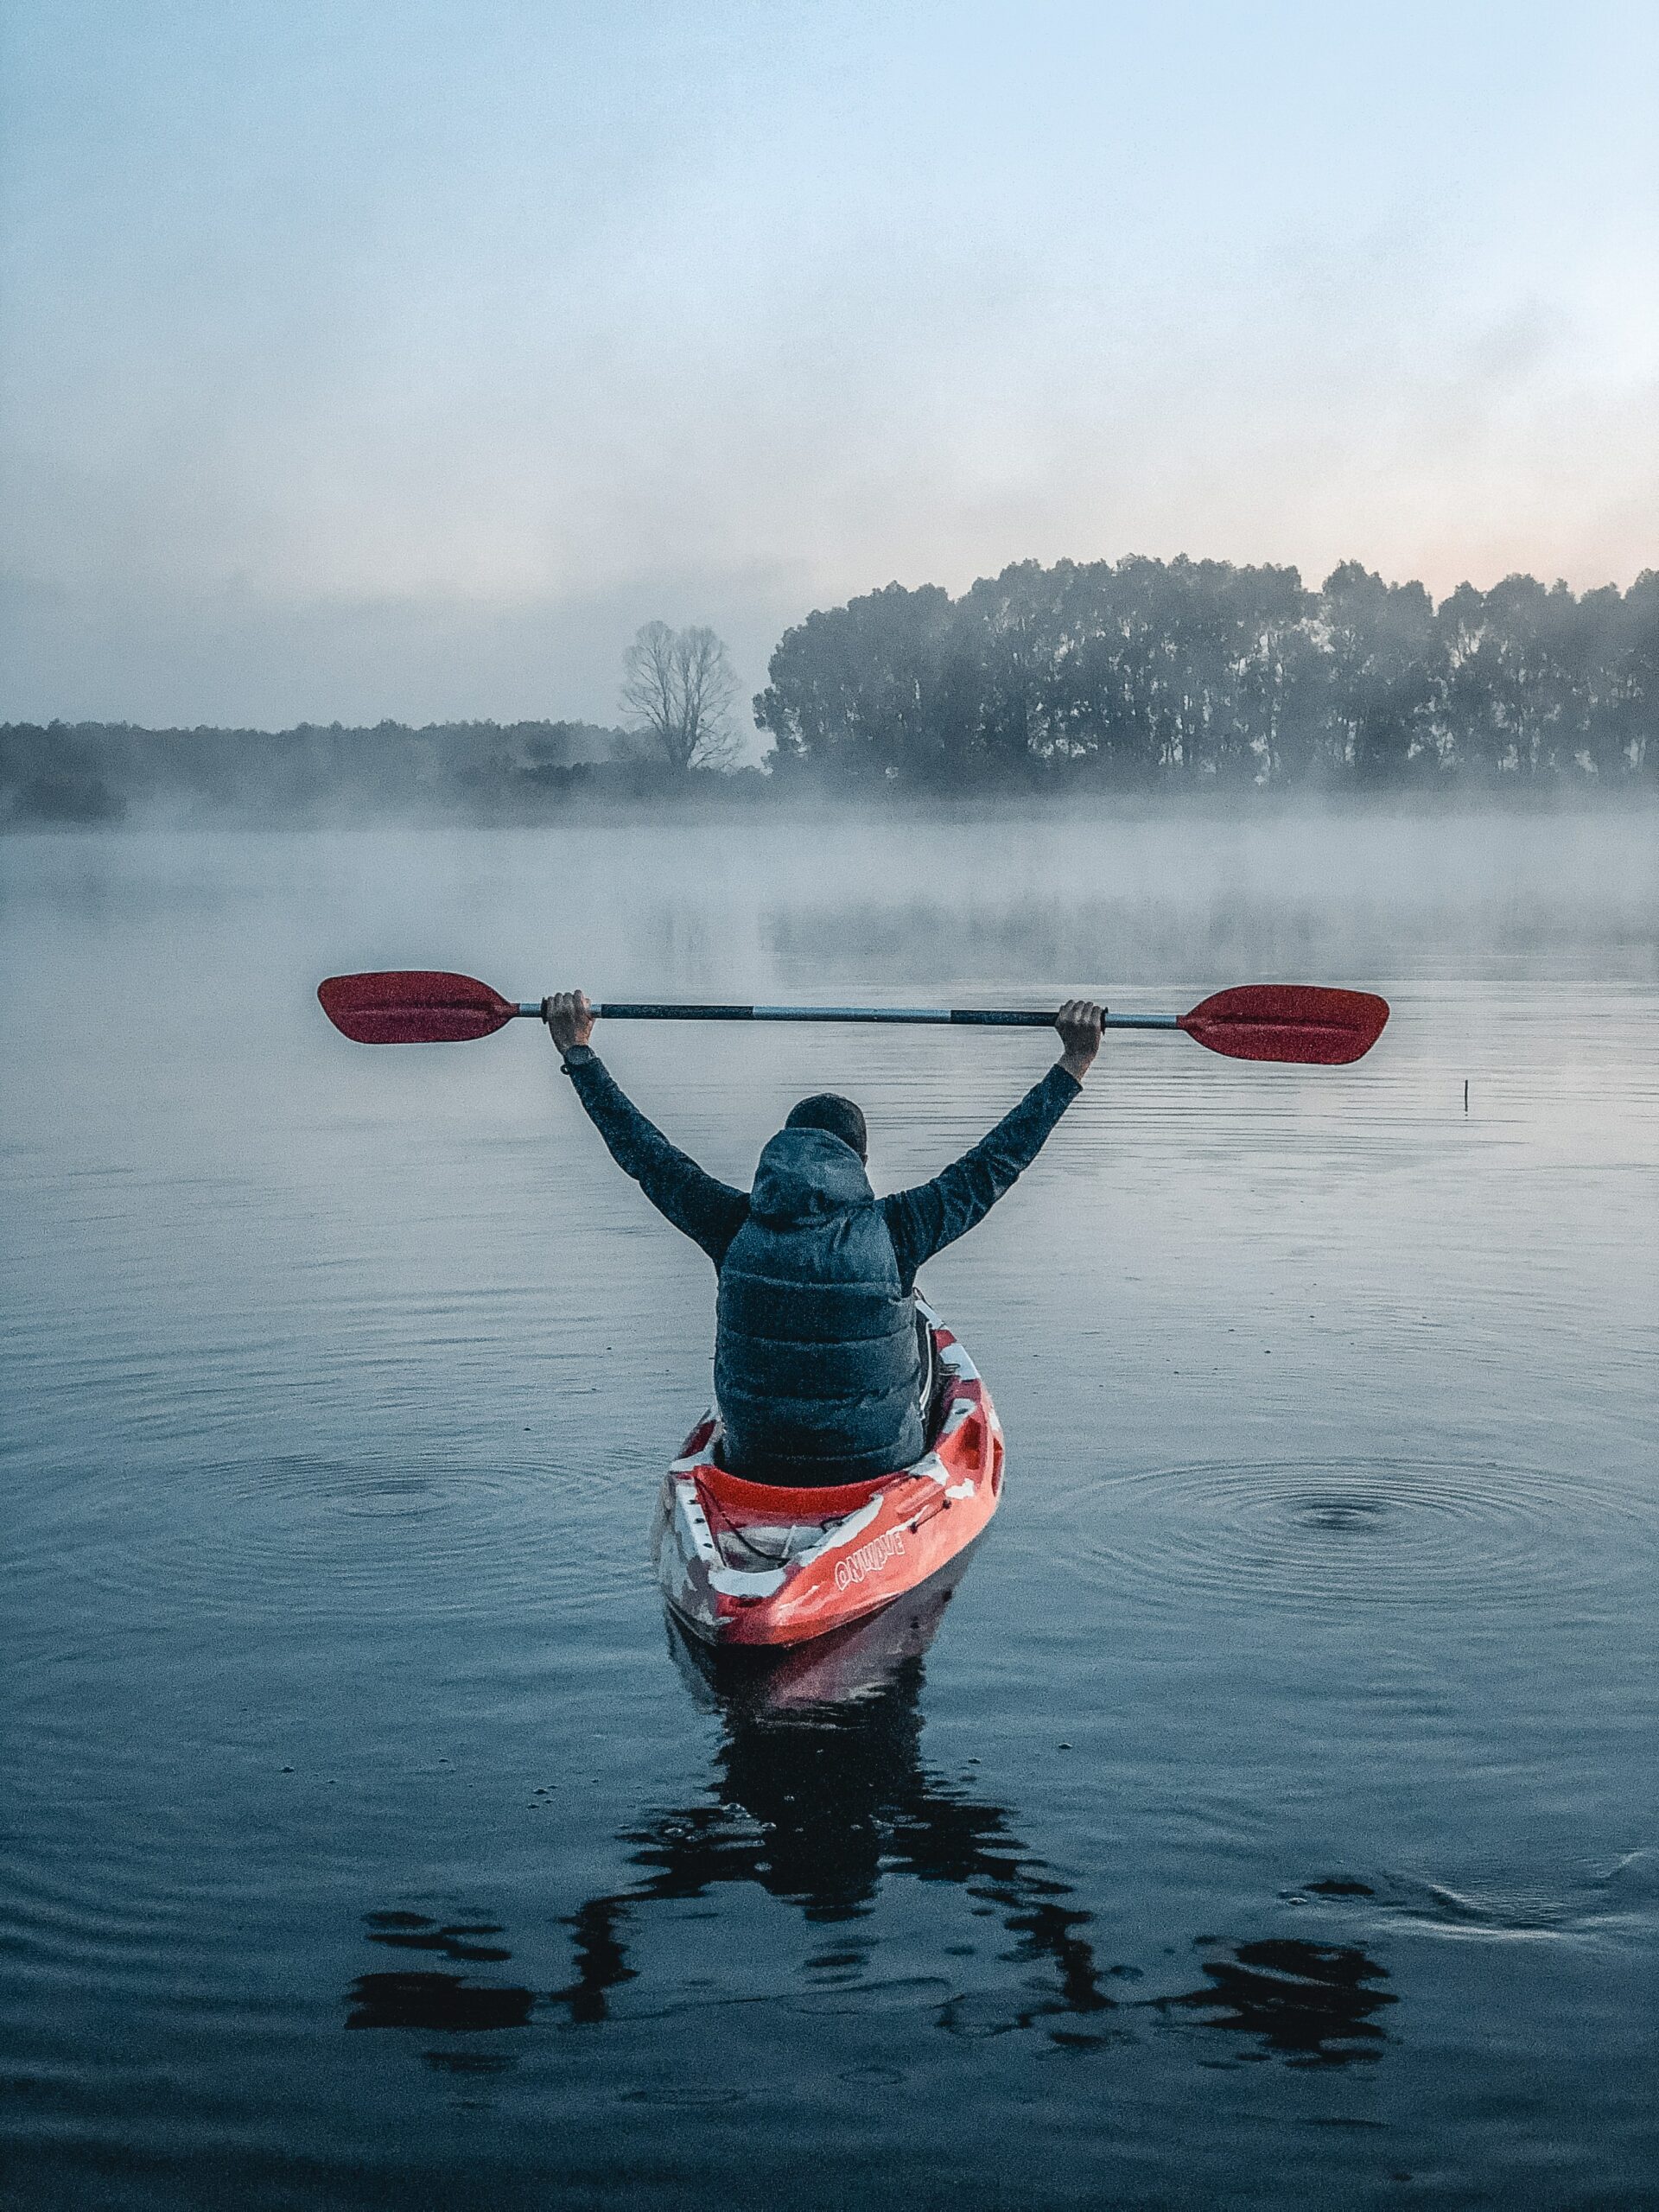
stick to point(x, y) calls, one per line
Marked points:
point(821, 1370)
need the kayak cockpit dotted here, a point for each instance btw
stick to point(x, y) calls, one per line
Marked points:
point(746, 1562)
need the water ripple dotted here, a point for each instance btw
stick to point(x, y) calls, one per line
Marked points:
point(1323, 1534)
point(349, 1536)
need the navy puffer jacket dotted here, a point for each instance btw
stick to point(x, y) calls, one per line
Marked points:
point(818, 1368)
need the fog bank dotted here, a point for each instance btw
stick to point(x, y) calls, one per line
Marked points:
point(766, 904)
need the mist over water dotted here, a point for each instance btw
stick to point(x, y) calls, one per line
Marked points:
point(1265, 1815)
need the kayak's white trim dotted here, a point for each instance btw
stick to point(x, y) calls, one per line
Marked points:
point(843, 1531)
point(739, 1582)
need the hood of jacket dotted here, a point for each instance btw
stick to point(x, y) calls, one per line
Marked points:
point(806, 1175)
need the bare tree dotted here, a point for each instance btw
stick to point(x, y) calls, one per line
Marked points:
point(680, 687)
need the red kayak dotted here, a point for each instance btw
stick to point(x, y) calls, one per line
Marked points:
point(754, 1563)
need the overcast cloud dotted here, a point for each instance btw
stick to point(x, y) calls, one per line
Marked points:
point(402, 359)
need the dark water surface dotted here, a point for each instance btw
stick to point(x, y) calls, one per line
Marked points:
point(1268, 1815)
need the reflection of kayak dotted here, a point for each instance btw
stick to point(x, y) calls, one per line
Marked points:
point(743, 1563)
point(848, 1666)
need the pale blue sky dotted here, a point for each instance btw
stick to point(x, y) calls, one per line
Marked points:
point(403, 358)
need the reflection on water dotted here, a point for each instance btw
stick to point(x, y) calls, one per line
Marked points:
point(413, 1931)
point(820, 1794)
point(443, 2001)
point(1310, 2003)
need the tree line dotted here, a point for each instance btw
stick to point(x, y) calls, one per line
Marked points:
point(479, 771)
point(1137, 675)
point(1140, 674)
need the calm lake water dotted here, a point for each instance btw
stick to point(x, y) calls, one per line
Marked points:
point(1269, 1817)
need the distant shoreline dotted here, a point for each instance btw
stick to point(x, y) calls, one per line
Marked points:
point(715, 801)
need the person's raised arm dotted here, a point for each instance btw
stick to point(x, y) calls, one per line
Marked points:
point(709, 1212)
point(922, 1221)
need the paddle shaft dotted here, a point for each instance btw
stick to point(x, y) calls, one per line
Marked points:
point(936, 1016)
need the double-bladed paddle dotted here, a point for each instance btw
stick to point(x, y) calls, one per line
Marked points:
point(1304, 1023)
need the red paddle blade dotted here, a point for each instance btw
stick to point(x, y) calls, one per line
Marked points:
point(413, 1006)
point(1289, 1021)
